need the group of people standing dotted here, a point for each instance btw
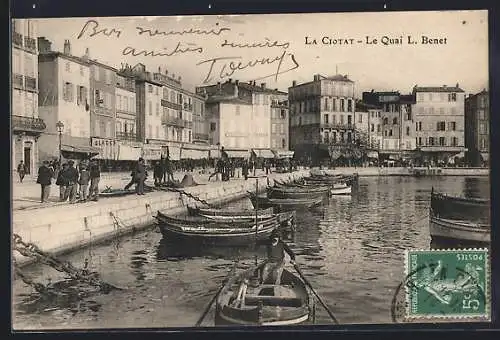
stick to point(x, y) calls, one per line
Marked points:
point(71, 180)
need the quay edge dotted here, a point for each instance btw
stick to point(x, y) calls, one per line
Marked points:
point(402, 171)
point(66, 228)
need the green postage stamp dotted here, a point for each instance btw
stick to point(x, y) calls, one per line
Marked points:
point(448, 284)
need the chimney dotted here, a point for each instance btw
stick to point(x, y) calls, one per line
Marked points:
point(254, 83)
point(235, 91)
point(229, 80)
point(67, 47)
point(294, 83)
point(263, 86)
point(237, 82)
point(44, 45)
point(159, 69)
point(179, 78)
point(173, 75)
point(166, 72)
point(457, 85)
point(218, 86)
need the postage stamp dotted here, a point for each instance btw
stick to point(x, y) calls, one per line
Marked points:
point(448, 284)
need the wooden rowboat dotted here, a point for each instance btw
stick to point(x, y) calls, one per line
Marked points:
point(299, 193)
point(223, 214)
point(283, 204)
point(343, 190)
point(202, 220)
point(455, 230)
point(214, 233)
point(460, 208)
point(245, 300)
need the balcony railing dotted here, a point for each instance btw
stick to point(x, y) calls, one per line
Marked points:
point(170, 105)
point(30, 44)
point(17, 39)
point(188, 124)
point(339, 126)
point(126, 136)
point(17, 81)
point(21, 123)
point(188, 107)
point(30, 83)
point(172, 121)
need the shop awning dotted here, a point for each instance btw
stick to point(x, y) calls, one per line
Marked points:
point(485, 156)
point(151, 153)
point(194, 154)
point(238, 153)
point(129, 153)
point(372, 154)
point(80, 149)
point(214, 153)
point(283, 153)
point(263, 153)
point(173, 152)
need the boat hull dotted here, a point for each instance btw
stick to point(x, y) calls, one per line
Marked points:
point(458, 208)
point(281, 205)
point(444, 229)
point(264, 304)
point(285, 194)
point(222, 214)
point(341, 191)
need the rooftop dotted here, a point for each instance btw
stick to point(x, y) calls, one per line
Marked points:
point(443, 88)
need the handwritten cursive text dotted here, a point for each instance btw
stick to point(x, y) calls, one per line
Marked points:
point(225, 67)
point(165, 53)
point(92, 28)
point(199, 31)
point(267, 43)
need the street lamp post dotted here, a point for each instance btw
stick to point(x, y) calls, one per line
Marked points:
point(60, 130)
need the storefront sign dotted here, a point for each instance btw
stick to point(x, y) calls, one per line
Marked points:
point(108, 148)
point(151, 152)
point(128, 153)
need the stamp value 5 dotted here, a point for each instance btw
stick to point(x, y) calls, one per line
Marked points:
point(449, 284)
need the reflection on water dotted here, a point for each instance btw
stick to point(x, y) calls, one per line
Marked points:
point(351, 249)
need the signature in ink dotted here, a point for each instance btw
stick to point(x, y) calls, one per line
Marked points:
point(225, 67)
point(266, 43)
point(199, 31)
point(166, 53)
point(92, 28)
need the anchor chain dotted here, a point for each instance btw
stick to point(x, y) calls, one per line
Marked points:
point(182, 192)
point(83, 275)
point(40, 288)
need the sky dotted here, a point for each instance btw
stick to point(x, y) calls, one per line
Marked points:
point(462, 59)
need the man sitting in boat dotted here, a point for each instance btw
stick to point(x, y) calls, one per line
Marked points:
point(272, 270)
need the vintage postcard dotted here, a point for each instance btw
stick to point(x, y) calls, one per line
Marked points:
point(265, 170)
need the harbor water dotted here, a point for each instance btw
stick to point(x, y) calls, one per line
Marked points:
point(351, 249)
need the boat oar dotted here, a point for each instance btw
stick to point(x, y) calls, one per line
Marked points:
point(316, 294)
point(207, 309)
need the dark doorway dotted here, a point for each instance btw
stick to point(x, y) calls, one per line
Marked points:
point(27, 160)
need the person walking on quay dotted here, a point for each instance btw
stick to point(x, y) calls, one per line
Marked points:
point(22, 169)
point(95, 177)
point(157, 173)
point(83, 181)
point(244, 169)
point(62, 182)
point(132, 180)
point(71, 175)
point(276, 249)
point(140, 175)
point(45, 175)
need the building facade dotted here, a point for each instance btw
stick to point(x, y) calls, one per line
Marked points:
point(239, 117)
point(439, 123)
point(279, 122)
point(200, 125)
point(477, 130)
point(26, 123)
point(125, 127)
point(64, 85)
point(322, 113)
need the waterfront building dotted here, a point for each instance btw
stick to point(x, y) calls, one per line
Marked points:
point(477, 130)
point(280, 124)
point(200, 125)
point(125, 108)
point(27, 126)
point(391, 124)
point(439, 123)
point(64, 83)
point(239, 117)
point(322, 118)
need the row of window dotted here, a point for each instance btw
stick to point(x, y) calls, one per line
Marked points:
point(28, 68)
point(440, 126)
point(103, 129)
point(311, 105)
point(329, 88)
point(275, 143)
point(125, 127)
point(442, 110)
point(125, 103)
point(103, 99)
point(336, 138)
point(436, 141)
point(25, 27)
point(281, 129)
point(81, 94)
point(169, 134)
point(444, 97)
point(326, 119)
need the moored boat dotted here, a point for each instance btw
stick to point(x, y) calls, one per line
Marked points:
point(223, 214)
point(460, 208)
point(245, 300)
point(300, 193)
point(341, 190)
point(457, 230)
point(284, 204)
point(108, 192)
point(214, 233)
